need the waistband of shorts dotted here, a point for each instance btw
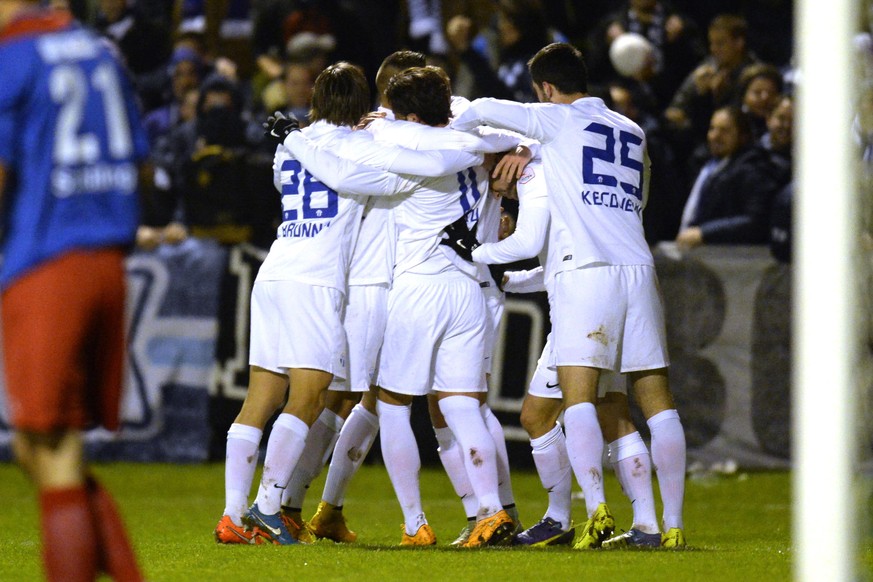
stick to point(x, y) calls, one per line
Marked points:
point(446, 277)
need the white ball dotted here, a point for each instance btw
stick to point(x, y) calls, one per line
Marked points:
point(630, 52)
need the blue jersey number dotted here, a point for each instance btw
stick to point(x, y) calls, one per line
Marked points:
point(311, 186)
point(607, 154)
point(469, 187)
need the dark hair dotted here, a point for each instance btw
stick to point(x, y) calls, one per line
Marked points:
point(759, 71)
point(396, 62)
point(529, 18)
point(562, 65)
point(735, 26)
point(340, 95)
point(742, 121)
point(423, 91)
point(215, 83)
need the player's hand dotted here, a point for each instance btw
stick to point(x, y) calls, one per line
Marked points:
point(498, 273)
point(511, 166)
point(461, 238)
point(278, 126)
point(369, 118)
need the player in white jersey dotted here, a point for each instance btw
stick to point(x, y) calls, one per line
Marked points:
point(485, 220)
point(606, 312)
point(369, 279)
point(349, 422)
point(446, 339)
point(297, 337)
point(542, 405)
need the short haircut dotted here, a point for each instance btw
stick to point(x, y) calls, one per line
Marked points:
point(562, 65)
point(735, 26)
point(741, 120)
point(396, 62)
point(759, 71)
point(423, 91)
point(340, 95)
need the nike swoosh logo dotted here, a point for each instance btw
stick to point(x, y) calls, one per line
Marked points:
point(555, 385)
point(274, 530)
point(277, 486)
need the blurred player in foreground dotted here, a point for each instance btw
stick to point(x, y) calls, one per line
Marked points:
point(70, 146)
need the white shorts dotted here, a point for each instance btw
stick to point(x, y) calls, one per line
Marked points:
point(494, 302)
point(609, 317)
point(435, 336)
point(366, 313)
point(544, 382)
point(295, 325)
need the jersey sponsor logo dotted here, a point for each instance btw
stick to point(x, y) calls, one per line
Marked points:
point(96, 179)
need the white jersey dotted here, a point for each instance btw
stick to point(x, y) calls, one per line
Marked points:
point(434, 203)
point(320, 219)
point(529, 238)
point(597, 168)
point(375, 250)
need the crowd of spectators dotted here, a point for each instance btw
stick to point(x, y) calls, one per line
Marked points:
point(710, 83)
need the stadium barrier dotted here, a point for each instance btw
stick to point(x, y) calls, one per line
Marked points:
point(728, 325)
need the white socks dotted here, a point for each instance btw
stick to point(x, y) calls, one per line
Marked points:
point(480, 457)
point(240, 463)
point(400, 454)
point(352, 446)
point(284, 448)
point(553, 466)
point(322, 437)
point(668, 457)
point(504, 482)
point(630, 460)
point(452, 458)
point(585, 449)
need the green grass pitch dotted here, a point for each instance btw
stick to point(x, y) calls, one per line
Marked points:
point(738, 528)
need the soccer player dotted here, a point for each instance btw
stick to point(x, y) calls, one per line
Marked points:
point(606, 312)
point(445, 342)
point(364, 320)
point(349, 423)
point(297, 338)
point(71, 143)
point(542, 404)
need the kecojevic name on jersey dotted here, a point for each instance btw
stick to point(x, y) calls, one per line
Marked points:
point(612, 200)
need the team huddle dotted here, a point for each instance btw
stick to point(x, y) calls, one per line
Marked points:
point(385, 283)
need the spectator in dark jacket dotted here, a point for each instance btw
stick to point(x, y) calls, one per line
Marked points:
point(522, 31)
point(731, 197)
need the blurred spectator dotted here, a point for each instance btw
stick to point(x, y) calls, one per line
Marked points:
point(731, 197)
point(144, 43)
point(226, 27)
point(761, 86)
point(521, 31)
point(186, 70)
point(292, 93)
point(674, 38)
point(781, 224)
point(666, 195)
point(715, 82)
point(778, 142)
point(426, 26)
point(779, 139)
point(201, 169)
